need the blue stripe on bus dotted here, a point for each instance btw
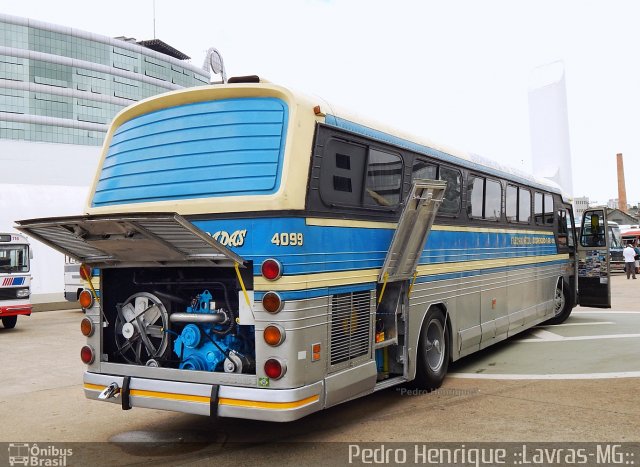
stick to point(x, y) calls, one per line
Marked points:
point(330, 249)
point(324, 291)
point(483, 165)
point(208, 149)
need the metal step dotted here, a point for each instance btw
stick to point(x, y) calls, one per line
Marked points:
point(387, 383)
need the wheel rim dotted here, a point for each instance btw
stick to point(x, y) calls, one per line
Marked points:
point(435, 348)
point(558, 301)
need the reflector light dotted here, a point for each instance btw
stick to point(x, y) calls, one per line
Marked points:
point(274, 368)
point(85, 299)
point(85, 272)
point(272, 302)
point(271, 269)
point(315, 352)
point(86, 355)
point(273, 335)
point(86, 326)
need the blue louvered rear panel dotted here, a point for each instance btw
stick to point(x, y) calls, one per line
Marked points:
point(228, 147)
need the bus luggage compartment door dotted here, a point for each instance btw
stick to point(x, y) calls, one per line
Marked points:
point(138, 238)
point(413, 229)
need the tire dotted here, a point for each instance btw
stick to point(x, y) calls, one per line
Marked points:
point(433, 351)
point(9, 322)
point(562, 305)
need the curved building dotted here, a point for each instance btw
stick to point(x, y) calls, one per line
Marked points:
point(59, 89)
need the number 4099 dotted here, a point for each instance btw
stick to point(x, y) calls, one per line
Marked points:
point(287, 239)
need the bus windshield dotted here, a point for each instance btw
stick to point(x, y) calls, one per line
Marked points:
point(615, 240)
point(14, 258)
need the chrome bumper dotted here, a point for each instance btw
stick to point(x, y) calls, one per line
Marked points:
point(276, 405)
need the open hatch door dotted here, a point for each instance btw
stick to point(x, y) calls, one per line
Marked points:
point(138, 238)
point(594, 286)
point(413, 229)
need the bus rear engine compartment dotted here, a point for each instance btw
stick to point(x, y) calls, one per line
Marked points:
point(177, 317)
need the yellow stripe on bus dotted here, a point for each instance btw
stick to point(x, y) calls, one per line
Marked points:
point(268, 405)
point(340, 278)
point(221, 401)
point(322, 222)
point(157, 394)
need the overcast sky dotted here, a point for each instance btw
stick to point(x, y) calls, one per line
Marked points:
point(454, 71)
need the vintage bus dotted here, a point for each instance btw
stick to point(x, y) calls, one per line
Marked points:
point(264, 256)
point(15, 279)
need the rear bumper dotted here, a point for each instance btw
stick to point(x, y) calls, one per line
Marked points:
point(276, 405)
point(14, 310)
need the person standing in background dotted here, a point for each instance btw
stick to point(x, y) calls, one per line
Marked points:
point(629, 260)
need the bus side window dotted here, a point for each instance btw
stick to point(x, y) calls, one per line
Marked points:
point(342, 173)
point(484, 199)
point(565, 236)
point(451, 203)
point(548, 209)
point(423, 169)
point(537, 207)
point(384, 179)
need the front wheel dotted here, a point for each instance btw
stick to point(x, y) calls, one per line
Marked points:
point(561, 305)
point(9, 322)
point(433, 351)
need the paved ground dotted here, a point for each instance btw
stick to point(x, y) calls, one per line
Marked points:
point(41, 399)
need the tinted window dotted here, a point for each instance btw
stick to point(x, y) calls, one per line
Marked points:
point(512, 203)
point(342, 172)
point(524, 205)
point(548, 209)
point(537, 207)
point(493, 200)
point(422, 169)
point(384, 179)
point(475, 194)
point(451, 202)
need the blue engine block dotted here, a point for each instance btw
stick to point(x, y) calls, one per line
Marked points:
point(195, 349)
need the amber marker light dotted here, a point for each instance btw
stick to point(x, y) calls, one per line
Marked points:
point(85, 272)
point(274, 368)
point(86, 326)
point(315, 352)
point(272, 302)
point(273, 335)
point(85, 299)
point(87, 355)
point(271, 269)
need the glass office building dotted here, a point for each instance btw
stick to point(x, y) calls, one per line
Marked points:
point(63, 85)
point(59, 89)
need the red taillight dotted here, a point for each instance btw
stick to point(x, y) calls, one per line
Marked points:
point(272, 302)
point(271, 269)
point(273, 335)
point(87, 355)
point(85, 272)
point(86, 326)
point(85, 299)
point(274, 368)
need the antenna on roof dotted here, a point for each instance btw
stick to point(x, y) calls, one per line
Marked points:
point(154, 19)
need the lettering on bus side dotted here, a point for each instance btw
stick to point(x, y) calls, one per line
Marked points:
point(235, 238)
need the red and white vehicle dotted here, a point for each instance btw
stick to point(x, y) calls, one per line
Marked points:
point(15, 280)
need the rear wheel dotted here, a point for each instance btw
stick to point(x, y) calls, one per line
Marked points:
point(433, 351)
point(561, 305)
point(9, 322)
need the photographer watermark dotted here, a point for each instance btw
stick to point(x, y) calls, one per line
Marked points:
point(33, 455)
point(439, 392)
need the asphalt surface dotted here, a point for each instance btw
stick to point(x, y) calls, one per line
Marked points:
point(573, 383)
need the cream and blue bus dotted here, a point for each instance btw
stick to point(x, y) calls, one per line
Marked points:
point(264, 255)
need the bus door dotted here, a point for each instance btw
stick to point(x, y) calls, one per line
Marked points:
point(594, 288)
point(399, 268)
